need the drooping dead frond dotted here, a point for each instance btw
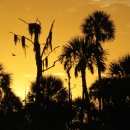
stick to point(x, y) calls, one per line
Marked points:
point(23, 44)
point(48, 41)
point(30, 29)
point(49, 38)
point(46, 61)
point(34, 28)
point(15, 39)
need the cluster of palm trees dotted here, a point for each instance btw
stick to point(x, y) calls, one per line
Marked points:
point(49, 106)
point(86, 51)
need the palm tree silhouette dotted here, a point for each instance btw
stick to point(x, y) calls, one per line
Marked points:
point(120, 67)
point(55, 113)
point(116, 94)
point(35, 30)
point(10, 104)
point(100, 28)
point(79, 53)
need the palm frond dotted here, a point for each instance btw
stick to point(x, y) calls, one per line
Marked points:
point(34, 28)
point(16, 39)
point(23, 44)
point(90, 67)
point(76, 71)
point(31, 29)
point(49, 39)
point(101, 21)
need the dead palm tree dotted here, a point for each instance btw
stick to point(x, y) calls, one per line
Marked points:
point(100, 28)
point(35, 30)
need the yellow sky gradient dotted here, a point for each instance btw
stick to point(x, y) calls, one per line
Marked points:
point(68, 15)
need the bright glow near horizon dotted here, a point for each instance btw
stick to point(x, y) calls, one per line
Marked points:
point(68, 16)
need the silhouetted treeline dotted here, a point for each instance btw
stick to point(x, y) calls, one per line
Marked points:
point(105, 105)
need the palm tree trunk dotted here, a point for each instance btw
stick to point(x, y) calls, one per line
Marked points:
point(69, 77)
point(100, 88)
point(86, 94)
point(39, 68)
point(99, 74)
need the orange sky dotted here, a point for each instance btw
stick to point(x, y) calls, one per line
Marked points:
point(68, 15)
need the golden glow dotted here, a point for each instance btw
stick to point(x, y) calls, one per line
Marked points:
point(68, 15)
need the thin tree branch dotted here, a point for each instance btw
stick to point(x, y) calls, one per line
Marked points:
point(49, 52)
point(51, 66)
point(23, 21)
point(21, 36)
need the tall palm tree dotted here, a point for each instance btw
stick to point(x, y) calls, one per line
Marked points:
point(100, 28)
point(35, 30)
point(79, 54)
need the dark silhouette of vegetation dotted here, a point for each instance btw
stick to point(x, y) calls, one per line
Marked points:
point(54, 111)
point(35, 30)
point(79, 53)
point(100, 28)
point(116, 95)
point(105, 105)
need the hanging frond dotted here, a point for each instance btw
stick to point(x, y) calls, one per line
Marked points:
point(31, 29)
point(15, 39)
point(46, 62)
point(23, 44)
point(90, 67)
point(49, 38)
point(34, 28)
point(76, 71)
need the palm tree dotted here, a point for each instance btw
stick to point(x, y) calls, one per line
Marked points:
point(120, 68)
point(116, 93)
point(35, 30)
point(55, 112)
point(10, 104)
point(79, 53)
point(100, 28)
point(80, 107)
point(7, 98)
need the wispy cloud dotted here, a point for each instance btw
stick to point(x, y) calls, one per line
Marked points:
point(71, 10)
point(128, 26)
point(104, 3)
point(58, 74)
point(29, 75)
point(28, 8)
point(3, 14)
point(123, 33)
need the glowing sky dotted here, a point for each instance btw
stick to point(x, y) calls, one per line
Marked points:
point(68, 15)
